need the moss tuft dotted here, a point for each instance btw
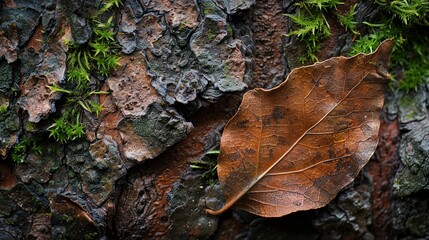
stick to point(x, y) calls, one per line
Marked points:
point(97, 57)
point(407, 22)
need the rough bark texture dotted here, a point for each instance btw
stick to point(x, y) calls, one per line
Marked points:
point(184, 67)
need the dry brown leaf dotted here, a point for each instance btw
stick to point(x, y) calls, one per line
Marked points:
point(296, 146)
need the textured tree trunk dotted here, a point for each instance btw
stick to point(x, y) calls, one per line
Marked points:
point(184, 68)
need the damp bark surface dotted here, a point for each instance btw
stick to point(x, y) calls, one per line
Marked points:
point(144, 169)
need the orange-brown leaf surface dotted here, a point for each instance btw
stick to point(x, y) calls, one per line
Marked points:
point(296, 146)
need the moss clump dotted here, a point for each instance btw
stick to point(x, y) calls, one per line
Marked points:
point(311, 25)
point(99, 56)
point(211, 36)
point(407, 22)
point(3, 109)
point(409, 12)
point(21, 149)
point(410, 51)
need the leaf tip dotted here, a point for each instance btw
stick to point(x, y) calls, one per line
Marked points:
point(384, 50)
point(387, 45)
point(382, 58)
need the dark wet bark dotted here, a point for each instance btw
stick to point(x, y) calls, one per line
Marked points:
point(184, 67)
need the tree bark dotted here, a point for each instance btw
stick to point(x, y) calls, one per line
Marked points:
point(183, 70)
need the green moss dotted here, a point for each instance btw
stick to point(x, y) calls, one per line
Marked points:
point(416, 73)
point(67, 127)
point(229, 31)
point(320, 4)
point(348, 20)
point(109, 4)
point(14, 90)
point(311, 25)
point(30, 127)
point(183, 25)
point(409, 53)
point(407, 22)
point(208, 166)
point(407, 182)
point(378, 33)
point(66, 218)
point(210, 36)
point(409, 11)
point(97, 57)
point(3, 109)
point(407, 102)
point(412, 58)
point(21, 149)
point(210, 7)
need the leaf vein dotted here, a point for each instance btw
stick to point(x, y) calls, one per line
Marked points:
point(308, 167)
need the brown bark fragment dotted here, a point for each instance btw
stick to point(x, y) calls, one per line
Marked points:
point(9, 43)
point(7, 176)
point(40, 227)
point(383, 169)
point(36, 98)
point(131, 86)
point(36, 40)
point(108, 126)
point(10, 3)
point(268, 25)
point(177, 12)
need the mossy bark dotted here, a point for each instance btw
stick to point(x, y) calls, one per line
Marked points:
point(184, 68)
